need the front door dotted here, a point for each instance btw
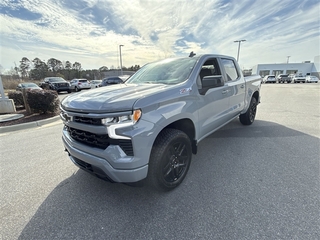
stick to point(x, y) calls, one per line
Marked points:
point(213, 104)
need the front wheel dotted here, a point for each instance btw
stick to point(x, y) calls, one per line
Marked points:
point(170, 159)
point(248, 117)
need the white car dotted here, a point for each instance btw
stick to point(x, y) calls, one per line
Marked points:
point(269, 79)
point(312, 79)
point(298, 78)
point(95, 83)
point(79, 84)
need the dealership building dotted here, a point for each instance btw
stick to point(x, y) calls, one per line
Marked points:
point(304, 68)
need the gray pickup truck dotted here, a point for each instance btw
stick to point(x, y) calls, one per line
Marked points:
point(146, 129)
point(284, 78)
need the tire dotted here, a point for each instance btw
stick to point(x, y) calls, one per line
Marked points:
point(69, 91)
point(248, 117)
point(169, 160)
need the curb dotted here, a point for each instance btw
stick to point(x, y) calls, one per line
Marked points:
point(22, 126)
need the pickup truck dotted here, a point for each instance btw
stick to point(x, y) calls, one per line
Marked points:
point(299, 78)
point(145, 130)
point(284, 78)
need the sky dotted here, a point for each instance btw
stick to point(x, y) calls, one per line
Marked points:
point(91, 31)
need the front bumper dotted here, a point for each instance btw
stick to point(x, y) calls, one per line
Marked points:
point(99, 165)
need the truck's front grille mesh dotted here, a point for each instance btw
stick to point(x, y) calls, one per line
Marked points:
point(101, 141)
point(86, 120)
point(91, 139)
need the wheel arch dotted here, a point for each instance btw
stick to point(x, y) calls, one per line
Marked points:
point(187, 126)
point(256, 95)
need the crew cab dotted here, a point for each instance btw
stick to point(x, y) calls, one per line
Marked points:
point(284, 78)
point(146, 129)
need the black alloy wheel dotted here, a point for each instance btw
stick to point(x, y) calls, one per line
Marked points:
point(248, 117)
point(170, 159)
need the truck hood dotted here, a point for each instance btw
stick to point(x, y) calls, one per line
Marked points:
point(113, 98)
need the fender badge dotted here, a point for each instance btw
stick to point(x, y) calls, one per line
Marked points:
point(185, 90)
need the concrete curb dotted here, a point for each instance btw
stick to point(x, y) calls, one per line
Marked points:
point(22, 126)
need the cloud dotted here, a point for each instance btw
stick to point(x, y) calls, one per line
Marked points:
point(91, 31)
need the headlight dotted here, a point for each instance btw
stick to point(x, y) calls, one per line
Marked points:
point(133, 118)
point(121, 121)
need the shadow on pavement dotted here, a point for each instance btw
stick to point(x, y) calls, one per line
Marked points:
point(217, 194)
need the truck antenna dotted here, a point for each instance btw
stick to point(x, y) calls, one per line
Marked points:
point(192, 54)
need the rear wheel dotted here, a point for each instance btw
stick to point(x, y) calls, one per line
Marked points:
point(170, 159)
point(248, 117)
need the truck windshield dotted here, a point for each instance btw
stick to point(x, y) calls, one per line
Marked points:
point(168, 71)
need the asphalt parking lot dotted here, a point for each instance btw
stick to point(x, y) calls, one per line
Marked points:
point(254, 182)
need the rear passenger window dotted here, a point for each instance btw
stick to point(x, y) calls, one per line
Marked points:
point(230, 68)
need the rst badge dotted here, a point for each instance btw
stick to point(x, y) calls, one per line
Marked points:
point(185, 90)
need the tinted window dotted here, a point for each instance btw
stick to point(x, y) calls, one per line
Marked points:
point(230, 68)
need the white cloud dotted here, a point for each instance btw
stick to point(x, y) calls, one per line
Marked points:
point(91, 31)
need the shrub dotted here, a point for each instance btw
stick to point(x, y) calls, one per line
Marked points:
point(17, 97)
point(43, 101)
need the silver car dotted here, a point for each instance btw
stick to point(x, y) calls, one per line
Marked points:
point(269, 79)
point(312, 79)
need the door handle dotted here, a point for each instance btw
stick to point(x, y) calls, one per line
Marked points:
point(242, 86)
point(225, 91)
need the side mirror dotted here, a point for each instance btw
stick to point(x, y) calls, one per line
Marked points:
point(209, 82)
point(212, 81)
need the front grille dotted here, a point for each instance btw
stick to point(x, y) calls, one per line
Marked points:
point(101, 141)
point(90, 139)
point(63, 85)
point(86, 120)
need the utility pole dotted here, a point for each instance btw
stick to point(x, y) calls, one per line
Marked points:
point(239, 41)
point(120, 58)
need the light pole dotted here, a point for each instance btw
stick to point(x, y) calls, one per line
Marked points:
point(288, 59)
point(239, 41)
point(120, 58)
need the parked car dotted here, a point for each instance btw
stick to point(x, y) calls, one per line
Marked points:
point(56, 83)
point(269, 79)
point(298, 78)
point(312, 79)
point(28, 86)
point(95, 83)
point(291, 76)
point(283, 78)
point(110, 81)
point(79, 84)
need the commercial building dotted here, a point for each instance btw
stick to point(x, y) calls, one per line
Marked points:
point(304, 68)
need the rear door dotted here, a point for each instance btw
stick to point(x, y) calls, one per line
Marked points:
point(236, 86)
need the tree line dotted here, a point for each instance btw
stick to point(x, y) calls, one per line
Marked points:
point(37, 69)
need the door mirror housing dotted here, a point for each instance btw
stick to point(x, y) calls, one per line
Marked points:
point(209, 82)
point(212, 81)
